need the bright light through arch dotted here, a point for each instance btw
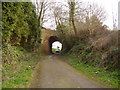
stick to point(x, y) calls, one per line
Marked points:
point(57, 44)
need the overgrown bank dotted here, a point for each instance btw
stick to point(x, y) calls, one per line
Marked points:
point(19, 74)
point(84, 34)
point(100, 50)
point(20, 43)
point(107, 78)
point(96, 56)
point(97, 49)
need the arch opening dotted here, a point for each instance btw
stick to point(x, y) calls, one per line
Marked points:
point(54, 43)
point(56, 47)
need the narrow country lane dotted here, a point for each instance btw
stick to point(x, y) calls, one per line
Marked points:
point(52, 72)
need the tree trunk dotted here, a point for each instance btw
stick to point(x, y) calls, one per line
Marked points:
point(40, 14)
point(71, 16)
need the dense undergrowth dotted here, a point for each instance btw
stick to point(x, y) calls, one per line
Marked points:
point(107, 60)
point(20, 43)
point(13, 54)
point(99, 49)
point(97, 57)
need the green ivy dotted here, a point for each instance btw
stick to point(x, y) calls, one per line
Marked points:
point(20, 25)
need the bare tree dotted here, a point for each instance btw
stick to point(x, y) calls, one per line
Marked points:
point(60, 15)
point(72, 5)
point(41, 9)
point(91, 16)
point(57, 15)
point(72, 12)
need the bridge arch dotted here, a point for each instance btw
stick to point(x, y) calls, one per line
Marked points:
point(48, 37)
point(50, 41)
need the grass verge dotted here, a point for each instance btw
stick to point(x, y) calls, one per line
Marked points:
point(19, 74)
point(109, 79)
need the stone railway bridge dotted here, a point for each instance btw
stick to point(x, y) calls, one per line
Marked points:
point(48, 37)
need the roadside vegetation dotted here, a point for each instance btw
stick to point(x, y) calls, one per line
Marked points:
point(107, 78)
point(91, 42)
point(94, 43)
point(20, 43)
point(19, 74)
point(53, 50)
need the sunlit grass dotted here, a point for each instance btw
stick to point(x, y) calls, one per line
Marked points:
point(19, 75)
point(53, 50)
